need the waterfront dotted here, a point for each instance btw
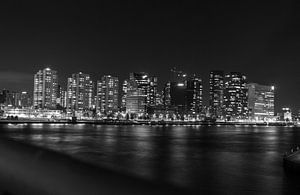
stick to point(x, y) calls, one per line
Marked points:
point(210, 159)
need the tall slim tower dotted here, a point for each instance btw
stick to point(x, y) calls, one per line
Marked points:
point(235, 96)
point(193, 95)
point(124, 94)
point(79, 92)
point(107, 94)
point(216, 87)
point(45, 89)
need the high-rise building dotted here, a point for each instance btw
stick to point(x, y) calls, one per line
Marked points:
point(235, 96)
point(152, 92)
point(193, 95)
point(184, 95)
point(166, 95)
point(12, 98)
point(45, 89)
point(79, 92)
point(136, 99)
point(124, 95)
point(63, 98)
point(260, 101)
point(107, 94)
point(148, 86)
point(177, 93)
point(26, 100)
point(216, 88)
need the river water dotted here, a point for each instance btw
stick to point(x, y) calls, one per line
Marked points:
point(225, 159)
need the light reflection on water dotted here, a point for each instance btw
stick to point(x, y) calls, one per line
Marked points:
point(239, 159)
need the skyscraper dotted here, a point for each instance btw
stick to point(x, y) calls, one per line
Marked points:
point(193, 95)
point(260, 101)
point(146, 84)
point(177, 94)
point(152, 92)
point(235, 96)
point(183, 94)
point(216, 87)
point(79, 92)
point(124, 95)
point(136, 99)
point(166, 95)
point(45, 89)
point(107, 94)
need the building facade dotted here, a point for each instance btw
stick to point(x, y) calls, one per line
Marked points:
point(45, 89)
point(146, 84)
point(216, 90)
point(136, 99)
point(235, 96)
point(260, 101)
point(79, 92)
point(124, 95)
point(107, 101)
point(193, 95)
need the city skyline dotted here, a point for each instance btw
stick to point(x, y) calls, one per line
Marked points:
point(111, 38)
point(159, 89)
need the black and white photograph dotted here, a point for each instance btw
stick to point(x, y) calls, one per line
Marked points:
point(124, 97)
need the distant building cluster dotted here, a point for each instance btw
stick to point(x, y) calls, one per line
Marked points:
point(231, 97)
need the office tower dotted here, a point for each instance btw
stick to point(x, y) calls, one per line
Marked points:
point(26, 100)
point(152, 92)
point(136, 99)
point(59, 94)
point(177, 93)
point(63, 98)
point(45, 89)
point(107, 94)
point(260, 101)
point(166, 95)
point(193, 95)
point(147, 85)
point(79, 92)
point(184, 95)
point(216, 87)
point(235, 96)
point(124, 95)
point(12, 99)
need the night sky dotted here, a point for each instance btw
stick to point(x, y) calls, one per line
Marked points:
point(258, 38)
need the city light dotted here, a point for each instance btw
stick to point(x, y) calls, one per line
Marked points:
point(231, 98)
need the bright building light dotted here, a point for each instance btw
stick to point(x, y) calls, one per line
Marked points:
point(180, 84)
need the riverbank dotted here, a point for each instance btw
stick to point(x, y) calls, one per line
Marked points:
point(145, 122)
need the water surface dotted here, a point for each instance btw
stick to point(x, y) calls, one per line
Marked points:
point(227, 159)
